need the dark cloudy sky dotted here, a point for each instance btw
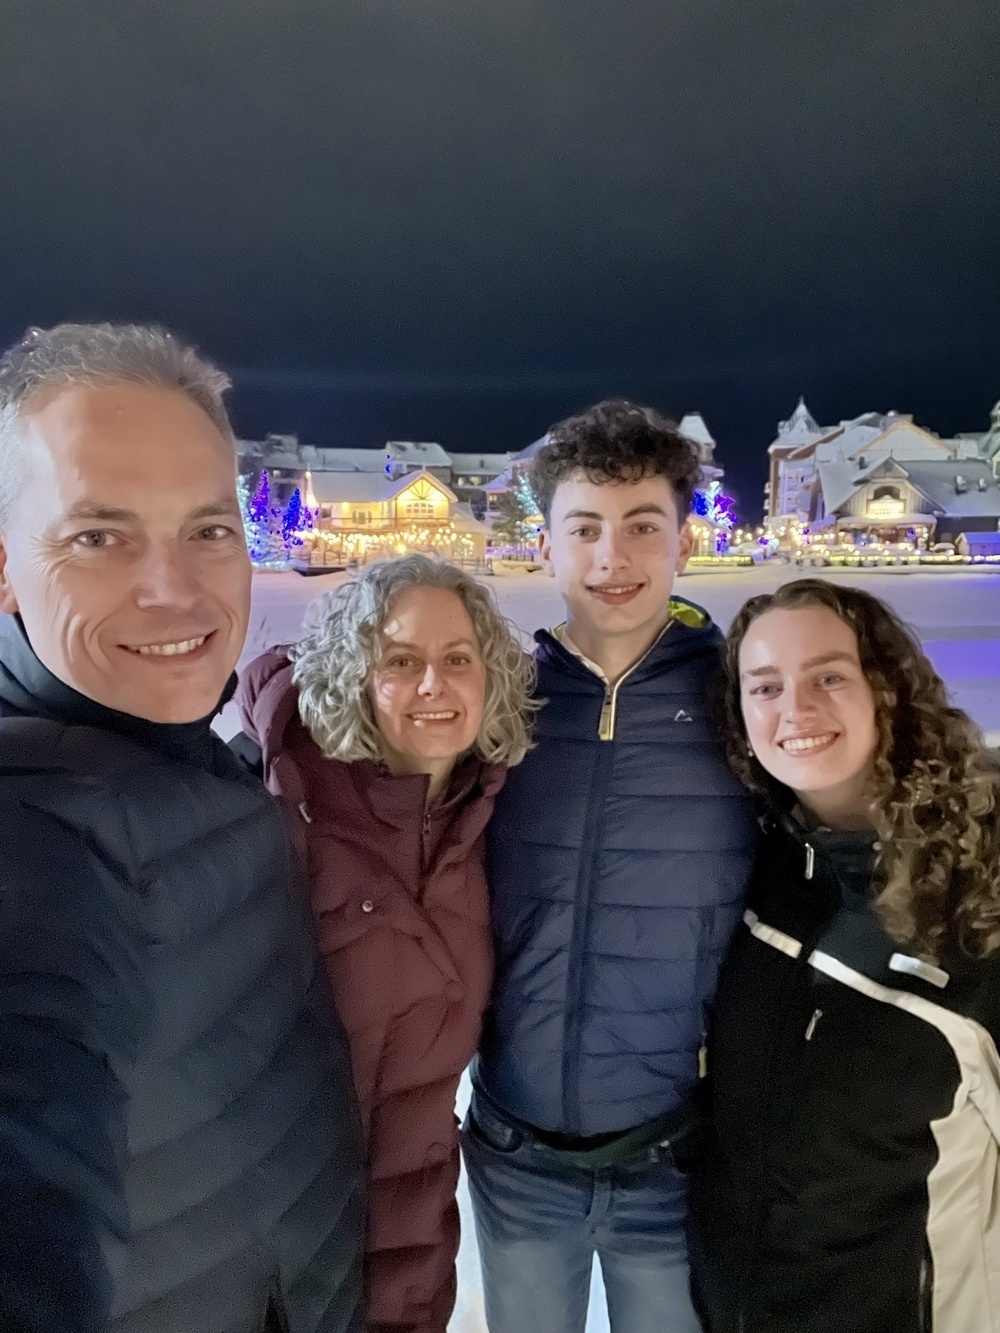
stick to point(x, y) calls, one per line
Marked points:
point(461, 219)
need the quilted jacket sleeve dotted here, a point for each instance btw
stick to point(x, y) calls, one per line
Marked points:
point(71, 1017)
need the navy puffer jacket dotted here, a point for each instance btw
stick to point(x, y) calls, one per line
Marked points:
point(179, 1148)
point(619, 853)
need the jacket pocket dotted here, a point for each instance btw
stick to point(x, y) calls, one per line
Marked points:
point(497, 1137)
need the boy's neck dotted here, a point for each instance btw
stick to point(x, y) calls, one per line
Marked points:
point(616, 653)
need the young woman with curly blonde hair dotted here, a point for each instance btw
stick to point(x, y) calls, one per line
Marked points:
point(852, 1181)
point(388, 729)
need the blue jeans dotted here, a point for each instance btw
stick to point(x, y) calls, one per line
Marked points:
point(540, 1224)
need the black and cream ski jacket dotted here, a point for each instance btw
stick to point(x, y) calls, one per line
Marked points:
point(852, 1183)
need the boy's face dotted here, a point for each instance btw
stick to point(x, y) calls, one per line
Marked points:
point(614, 550)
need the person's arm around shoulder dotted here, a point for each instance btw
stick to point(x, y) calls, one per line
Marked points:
point(73, 1013)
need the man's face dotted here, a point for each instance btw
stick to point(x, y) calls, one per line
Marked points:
point(614, 550)
point(125, 553)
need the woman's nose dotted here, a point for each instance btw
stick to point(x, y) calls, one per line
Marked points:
point(430, 682)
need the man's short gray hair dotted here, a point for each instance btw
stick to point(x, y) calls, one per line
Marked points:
point(340, 648)
point(96, 354)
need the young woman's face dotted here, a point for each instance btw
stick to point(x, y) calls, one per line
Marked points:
point(429, 686)
point(808, 709)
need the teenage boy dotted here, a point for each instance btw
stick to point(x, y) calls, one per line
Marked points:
point(618, 857)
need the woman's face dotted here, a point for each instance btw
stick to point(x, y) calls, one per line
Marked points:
point(429, 684)
point(808, 708)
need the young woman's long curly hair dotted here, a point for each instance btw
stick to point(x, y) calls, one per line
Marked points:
point(935, 787)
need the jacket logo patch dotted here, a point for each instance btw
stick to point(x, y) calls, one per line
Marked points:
point(682, 716)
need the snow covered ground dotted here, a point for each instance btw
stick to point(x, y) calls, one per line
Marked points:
point(955, 611)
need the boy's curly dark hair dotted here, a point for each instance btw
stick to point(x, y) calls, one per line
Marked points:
point(936, 789)
point(616, 440)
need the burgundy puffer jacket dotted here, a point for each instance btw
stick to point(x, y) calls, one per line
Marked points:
point(400, 901)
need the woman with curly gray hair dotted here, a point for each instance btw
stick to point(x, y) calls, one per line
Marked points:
point(389, 728)
point(854, 1174)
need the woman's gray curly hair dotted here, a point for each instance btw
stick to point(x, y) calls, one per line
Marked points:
point(335, 658)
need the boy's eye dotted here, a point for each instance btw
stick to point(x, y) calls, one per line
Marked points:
point(765, 691)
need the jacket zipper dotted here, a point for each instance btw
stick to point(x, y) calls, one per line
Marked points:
point(756, 1231)
point(609, 709)
point(585, 887)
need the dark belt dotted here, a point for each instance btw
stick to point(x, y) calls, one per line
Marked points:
point(681, 1132)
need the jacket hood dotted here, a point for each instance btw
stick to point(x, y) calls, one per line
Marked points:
point(690, 633)
point(267, 699)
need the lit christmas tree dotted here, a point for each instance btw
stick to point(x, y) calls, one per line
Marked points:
point(293, 521)
point(720, 511)
point(265, 528)
point(518, 521)
point(243, 495)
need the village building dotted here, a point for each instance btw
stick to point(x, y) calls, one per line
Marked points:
point(362, 516)
point(472, 473)
point(880, 477)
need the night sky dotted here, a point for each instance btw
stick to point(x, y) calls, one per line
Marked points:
point(459, 220)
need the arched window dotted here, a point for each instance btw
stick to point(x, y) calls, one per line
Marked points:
point(419, 500)
point(886, 502)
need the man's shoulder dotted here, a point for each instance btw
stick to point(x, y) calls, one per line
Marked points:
point(33, 745)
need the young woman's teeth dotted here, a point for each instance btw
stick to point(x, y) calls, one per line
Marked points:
point(799, 743)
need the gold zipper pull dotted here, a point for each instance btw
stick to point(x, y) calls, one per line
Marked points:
point(606, 727)
point(817, 1015)
point(703, 1061)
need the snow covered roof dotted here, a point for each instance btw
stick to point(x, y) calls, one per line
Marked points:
point(464, 520)
point(345, 460)
point(692, 427)
point(278, 451)
point(338, 487)
point(838, 482)
point(800, 428)
point(531, 449)
point(905, 441)
point(412, 451)
point(490, 465)
point(961, 488)
point(937, 480)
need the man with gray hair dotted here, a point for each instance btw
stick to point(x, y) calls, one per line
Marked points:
point(179, 1150)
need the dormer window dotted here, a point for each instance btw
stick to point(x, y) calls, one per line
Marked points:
point(961, 485)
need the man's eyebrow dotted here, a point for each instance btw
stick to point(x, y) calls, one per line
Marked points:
point(86, 509)
point(217, 509)
point(821, 660)
point(582, 513)
point(91, 512)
